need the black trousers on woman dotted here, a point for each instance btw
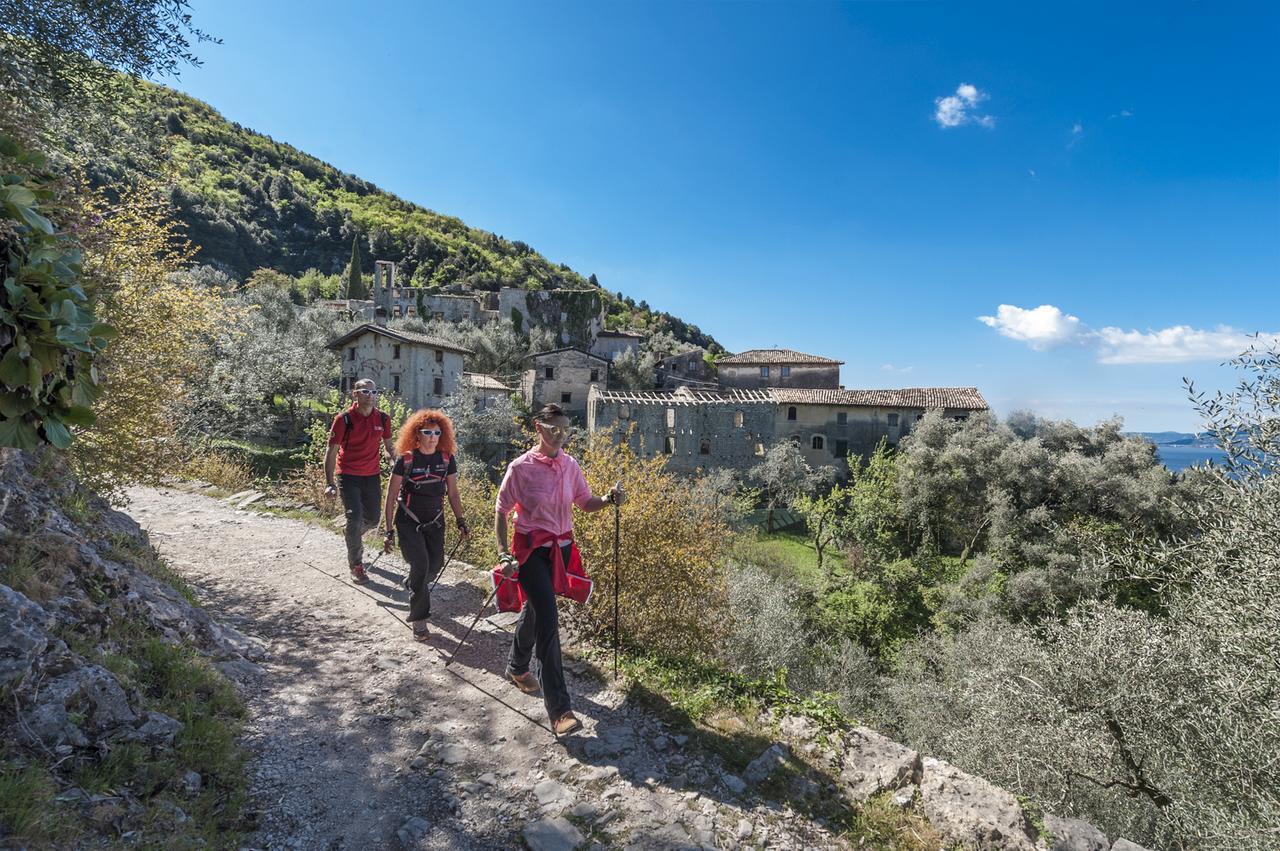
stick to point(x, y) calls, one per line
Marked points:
point(538, 631)
point(423, 547)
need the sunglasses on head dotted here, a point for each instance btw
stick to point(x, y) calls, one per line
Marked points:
point(365, 392)
point(430, 432)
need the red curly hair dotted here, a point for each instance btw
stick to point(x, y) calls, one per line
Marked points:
point(408, 440)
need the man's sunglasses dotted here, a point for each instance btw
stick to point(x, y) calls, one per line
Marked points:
point(430, 432)
point(363, 392)
point(559, 431)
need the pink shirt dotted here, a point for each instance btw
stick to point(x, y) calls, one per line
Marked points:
point(543, 491)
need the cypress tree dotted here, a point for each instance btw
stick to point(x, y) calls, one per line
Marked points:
point(355, 281)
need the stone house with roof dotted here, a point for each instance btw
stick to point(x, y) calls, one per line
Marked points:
point(565, 376)
point(610, 344)
point(759, 368)
point(488, 389)
point(732, 426)
point(420, 369)
point(687, 369)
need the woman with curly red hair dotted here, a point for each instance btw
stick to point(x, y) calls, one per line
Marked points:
point(424, 473)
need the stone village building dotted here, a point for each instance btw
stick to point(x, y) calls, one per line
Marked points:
point(610, 344)
point(687, 369)
point(489, 390)
point(732, 426)
point(422, 370)
point(564, 376)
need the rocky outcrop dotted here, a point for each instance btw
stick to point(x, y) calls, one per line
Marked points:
point(79, 571)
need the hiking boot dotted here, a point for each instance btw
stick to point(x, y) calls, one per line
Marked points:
point(358, 576)
point(526, 682)
point(566, 724)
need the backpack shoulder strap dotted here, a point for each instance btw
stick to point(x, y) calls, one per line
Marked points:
point(346, 428)
point(386, 423)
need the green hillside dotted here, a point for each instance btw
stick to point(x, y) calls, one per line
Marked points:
point(250, 202)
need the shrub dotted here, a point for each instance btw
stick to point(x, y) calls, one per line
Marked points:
point(222, 469)
point(672, 590)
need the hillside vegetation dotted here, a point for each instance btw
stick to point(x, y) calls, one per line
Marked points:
point(249, 202)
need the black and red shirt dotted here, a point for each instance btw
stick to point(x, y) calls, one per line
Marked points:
point(425, 481)
point(360, 446)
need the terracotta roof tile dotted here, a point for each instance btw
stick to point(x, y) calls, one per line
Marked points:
point(780, 356)
point(967, 398)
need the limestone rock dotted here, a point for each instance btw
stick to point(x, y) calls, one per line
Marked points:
point(799, 727)
point(23, 638)
point(1071, 834)
point(735, 783)
point(550, 791)
point(412, 831)
point(553, 834)
point(157, 729)
point(873, 764)
point(970, 811)
point(768, 762)
point(84, 700)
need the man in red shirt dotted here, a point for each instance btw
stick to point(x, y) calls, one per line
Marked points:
point(357, 439)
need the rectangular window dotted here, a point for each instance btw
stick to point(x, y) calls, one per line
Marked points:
point(595, 375)
point(549, 373)
point(893, 421)
point(669, 446)
point(437, 386)
point(438, 315)
point(439, 356)
point(566, 398)
point(842, 418)
point(624, 412)
point(785, 371)
point(395, 382)
point(671, 417)
point(764, 372)
point(351, 353)
point(395, 351)
point(842, 448)
point(396, 311)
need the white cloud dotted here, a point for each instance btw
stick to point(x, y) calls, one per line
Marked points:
point(1047, 327)
point(1077, 129)
point(957, 109)
point(1044, 327)
point(1171, 345)
point(888, 367)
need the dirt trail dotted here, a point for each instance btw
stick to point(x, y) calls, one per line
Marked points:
point(362, 738)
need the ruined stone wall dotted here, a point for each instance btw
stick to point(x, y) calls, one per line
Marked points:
point(704, 436)
point(574, 316)
point(807, 377)
point(610, 347)
point(680, 370)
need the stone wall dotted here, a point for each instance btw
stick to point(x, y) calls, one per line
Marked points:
point(416, 370)
point(574, 316)
point(862, 429)
point(695, 435)
point(800, 376)
point(609, 346)
point(572, 372)
point(683, 369)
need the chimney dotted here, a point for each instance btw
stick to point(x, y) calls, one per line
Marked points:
point(379, 316)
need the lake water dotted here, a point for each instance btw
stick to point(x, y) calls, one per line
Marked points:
point(1181, 457)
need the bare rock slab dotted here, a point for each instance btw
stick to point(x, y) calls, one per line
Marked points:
point(972, 812)
point(1071, 834)
point(763, 766)
point(874, 764)
point(553, 834)
point(412, 832)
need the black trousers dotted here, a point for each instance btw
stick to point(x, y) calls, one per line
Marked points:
point(362, 500)
point(423, 547)
point(538, 631)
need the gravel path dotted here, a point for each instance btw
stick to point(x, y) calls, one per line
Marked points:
point(362, 738)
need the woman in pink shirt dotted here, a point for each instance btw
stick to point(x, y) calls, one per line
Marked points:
point(542, 486)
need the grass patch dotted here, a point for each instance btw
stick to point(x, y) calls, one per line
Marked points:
point(262, 460)
point(28, 807)
point(34, 569)
point(793, 550)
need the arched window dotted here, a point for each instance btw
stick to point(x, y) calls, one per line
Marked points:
point(818, 442)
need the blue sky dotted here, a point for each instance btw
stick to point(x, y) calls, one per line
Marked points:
point(863, 181)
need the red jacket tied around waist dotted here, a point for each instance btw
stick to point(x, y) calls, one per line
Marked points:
point(567, 580)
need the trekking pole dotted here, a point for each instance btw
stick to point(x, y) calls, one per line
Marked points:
point(444, 566)
point(617, 577)
point(475, 621)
